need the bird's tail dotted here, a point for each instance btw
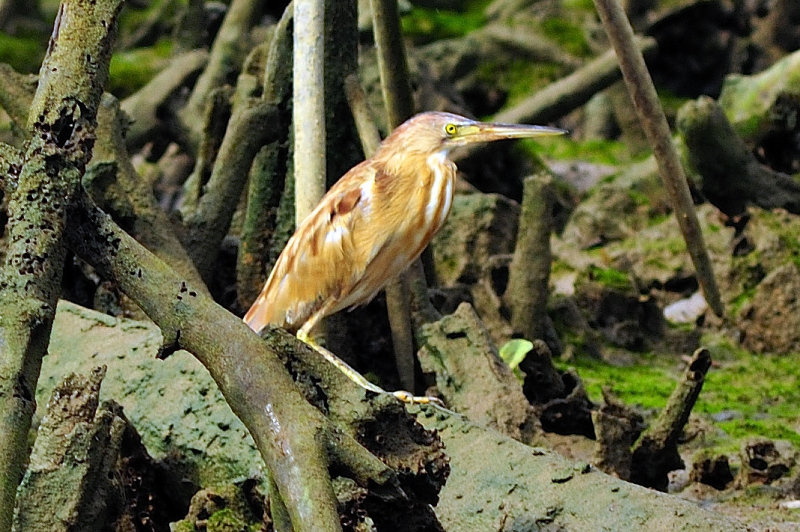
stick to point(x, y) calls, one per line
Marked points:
point(259, 314)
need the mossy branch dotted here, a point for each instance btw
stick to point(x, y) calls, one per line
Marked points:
point(266, 182)
point(147, 222)
point(645, 100)
point(60, 123)
point(286, 429)
point(10, 162)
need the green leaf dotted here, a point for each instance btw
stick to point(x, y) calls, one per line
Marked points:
point(514, 351)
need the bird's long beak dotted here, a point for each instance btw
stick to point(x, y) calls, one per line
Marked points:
point(487, 132)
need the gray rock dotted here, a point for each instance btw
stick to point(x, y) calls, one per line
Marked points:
point(174, 404)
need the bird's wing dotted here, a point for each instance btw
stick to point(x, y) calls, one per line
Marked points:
point(323, 260)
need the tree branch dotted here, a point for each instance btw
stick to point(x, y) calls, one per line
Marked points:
point(61, 124)
point(248, 129)
point(566, 94)
point(148, 223)
point(267, 182)
point(289, 432)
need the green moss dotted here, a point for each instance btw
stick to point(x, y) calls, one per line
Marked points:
point(425, 24)
point(519, 78)
point(611, 278)
point(787, 233)
point(579, 5)
point(183, 526)
point(646, 384)
point(670, 245)
point(225, 521)
point(131, 70)
point(25, 54)
point(638, 198)
point(761, 392)
point(741, 300)
point(569, 35)
point(608, 152)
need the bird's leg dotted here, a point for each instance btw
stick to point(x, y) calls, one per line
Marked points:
point(406, 397)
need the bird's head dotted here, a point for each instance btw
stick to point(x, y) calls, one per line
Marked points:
point(432, 132)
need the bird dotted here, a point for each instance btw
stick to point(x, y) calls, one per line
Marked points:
point(370, 226)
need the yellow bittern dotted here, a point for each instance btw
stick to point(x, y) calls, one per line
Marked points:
point(371, 225)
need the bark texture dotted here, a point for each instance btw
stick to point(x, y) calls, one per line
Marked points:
point(60, 123)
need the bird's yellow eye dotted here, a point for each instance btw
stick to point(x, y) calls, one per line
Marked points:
point(450, 129)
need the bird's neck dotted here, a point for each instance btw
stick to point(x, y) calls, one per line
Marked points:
point(417, 166)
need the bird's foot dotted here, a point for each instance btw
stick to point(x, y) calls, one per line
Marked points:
point(410, 399)
point(358, 378)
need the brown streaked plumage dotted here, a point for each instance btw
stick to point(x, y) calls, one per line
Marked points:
point(373, 222)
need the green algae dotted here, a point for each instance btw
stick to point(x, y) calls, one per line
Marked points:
point(744, 394)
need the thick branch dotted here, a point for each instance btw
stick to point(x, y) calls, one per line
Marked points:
point(266, 182)
point(286, 429)
point(645, 100)
point(60, 122)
